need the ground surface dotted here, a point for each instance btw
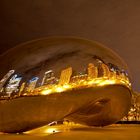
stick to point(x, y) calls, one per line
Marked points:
point(72, 132)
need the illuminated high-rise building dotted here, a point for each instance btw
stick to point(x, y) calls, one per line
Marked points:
point(32, 84)
point(5, 78)
point(65, 76)
point(124, 77)
point(22, 88)
point(114, 75)
point(92, 71)
point(106, 71)
point(49, 78)
point(111, 74)
point(13, 84)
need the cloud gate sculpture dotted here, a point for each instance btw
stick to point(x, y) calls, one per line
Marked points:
point(60, 78)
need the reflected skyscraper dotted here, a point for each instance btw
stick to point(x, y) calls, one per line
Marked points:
point(106, 71)
point(65, 76)
point(49, 78)
point(5, 78)
point(32, 84)
point(92, 71)
point(13, 84)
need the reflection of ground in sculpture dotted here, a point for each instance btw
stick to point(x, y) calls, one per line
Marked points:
point(83, 82)
point(74, 132)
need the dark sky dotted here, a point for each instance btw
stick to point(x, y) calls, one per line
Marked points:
point(114, 23)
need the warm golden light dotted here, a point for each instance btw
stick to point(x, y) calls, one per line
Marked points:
point(59, 89)
point(51, 84)
point(102, 81)
point(51, 130)
point(46, 91)
point(107, 82)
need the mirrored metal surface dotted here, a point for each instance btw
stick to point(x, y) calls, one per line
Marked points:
point(62, 77)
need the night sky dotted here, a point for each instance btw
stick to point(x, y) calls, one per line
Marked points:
point(114, 23)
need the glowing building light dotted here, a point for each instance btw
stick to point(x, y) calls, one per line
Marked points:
point(91, 82)
point(59, 89)
point(66, 86)
point(106, 71)
point(47, 91)
point(65, 76)
point(92, 71)
point(32, 84)
point(98, 81)
point(5, 78)
point(51, 130)
point(22, 87)
point(107, 82)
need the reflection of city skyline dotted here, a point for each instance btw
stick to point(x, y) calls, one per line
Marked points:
point(12, 83)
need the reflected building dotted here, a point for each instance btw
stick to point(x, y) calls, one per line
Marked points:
point(22, 88)
point(49, 78)
point(100, 69)
point(106, 71)
point(5, 78)
point(32, 84)
point(92, 71)
point(65, 76)
point(13, 85)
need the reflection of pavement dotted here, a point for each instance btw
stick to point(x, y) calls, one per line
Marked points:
point(74, 132)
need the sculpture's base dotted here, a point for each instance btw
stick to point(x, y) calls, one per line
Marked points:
point(97, 106)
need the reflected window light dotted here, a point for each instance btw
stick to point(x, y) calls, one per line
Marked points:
point(13, 84)
point(5, 78)
point(32, 84)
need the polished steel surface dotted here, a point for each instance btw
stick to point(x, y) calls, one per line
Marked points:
point(62, 77)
